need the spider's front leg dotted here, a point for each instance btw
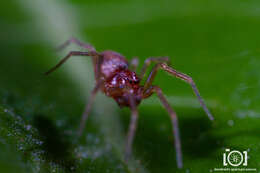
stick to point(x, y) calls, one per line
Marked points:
point(179, 75)
point(174, 120)
point(97, 60)
point(77, 42)
point(148, 61)
point(88, 106)
point(70, 54)
point(132, 128)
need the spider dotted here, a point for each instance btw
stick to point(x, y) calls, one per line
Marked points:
point(116, 78)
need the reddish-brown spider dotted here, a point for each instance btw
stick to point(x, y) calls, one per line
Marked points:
point(115, 79)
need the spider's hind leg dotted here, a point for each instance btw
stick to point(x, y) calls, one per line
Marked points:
point(174, 121)
point(181, 76)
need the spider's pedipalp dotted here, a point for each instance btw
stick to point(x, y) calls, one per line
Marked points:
point(134, 63)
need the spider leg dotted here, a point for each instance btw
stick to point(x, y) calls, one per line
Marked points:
point(132, 128)
point(72, 53)
point(179, 75)
point(134, 63)
point(148, 61)
point(88, 106)
point(77, 42)
point(174, 120)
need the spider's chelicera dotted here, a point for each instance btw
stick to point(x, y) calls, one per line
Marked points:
point(116, 78)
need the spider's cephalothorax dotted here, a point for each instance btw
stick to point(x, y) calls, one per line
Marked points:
point(119, 81)
point(114, 77)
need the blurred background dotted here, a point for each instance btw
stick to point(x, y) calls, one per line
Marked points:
point(215, 42)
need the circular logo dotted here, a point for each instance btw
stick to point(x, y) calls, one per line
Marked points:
point(235, 158)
